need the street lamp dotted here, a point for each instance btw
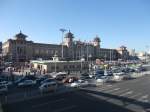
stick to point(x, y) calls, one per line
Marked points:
point(87, 45)
point(55, 59)
point(110, 55)
point(90, 64)
point(82, 59)
point(62, 30)
point(105, 56)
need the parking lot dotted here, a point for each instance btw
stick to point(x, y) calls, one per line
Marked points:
point(123, 96)
point(117, 85)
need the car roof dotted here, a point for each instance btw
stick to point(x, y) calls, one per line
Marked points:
point(47, 83)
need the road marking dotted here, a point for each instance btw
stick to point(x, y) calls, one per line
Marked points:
point(46, 103)
point(126, 93)
point(109, 85)
point(116, 89)
point(105, 88)
point(134, 96)
point(119, 92)
point(65, 108)
point(144, 98)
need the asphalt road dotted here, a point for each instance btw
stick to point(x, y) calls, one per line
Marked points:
point(132, 94)
point(125, 96)
point(68, 102)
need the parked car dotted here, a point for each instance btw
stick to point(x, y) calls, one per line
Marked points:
point(47, 80)
point(70, 79)
point(55, 75)
point(22, 79)
point(2, 79)
point(48, 86)
point(118, 73)
point(60, 77)
point(39, 80)
point(85, 77)
point(102, 79)
point(99, 72)
point(79, 83)
point(3, 89)
point(7, 83)
point(26, 83)
point(108, 73)
point(84, 74)
point(30, 77)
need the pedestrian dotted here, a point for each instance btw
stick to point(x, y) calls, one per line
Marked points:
point(44, 71)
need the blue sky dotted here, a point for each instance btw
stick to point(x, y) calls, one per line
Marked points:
point(116, 22)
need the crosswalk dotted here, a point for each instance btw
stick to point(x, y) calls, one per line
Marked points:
point(122, 92)
point(123, 96)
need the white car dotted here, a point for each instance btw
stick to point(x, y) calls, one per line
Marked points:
point(119, 73)
point(27, 83)
point(3, 88)
point(79, 83)
point(59, 74)
point(74, 84)
point(102, 79)
point(49, 86)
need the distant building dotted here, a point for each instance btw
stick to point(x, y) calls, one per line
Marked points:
point(123, 53)
point(132, 52)
point(56, 65)
point(143, 55)
point(20, 50)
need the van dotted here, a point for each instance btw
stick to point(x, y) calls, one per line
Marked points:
point(49, 86)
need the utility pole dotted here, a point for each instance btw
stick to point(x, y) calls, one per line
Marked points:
point(105, 57)
point(87, 52)
point(55, 56)
point(147, 48)
point(62, 50)
point(110, 55)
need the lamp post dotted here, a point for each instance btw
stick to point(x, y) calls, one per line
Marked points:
point(62, 30)
point(87, 45)
point(147, 48)
point(82, 59)
point(105, 56)
point(55, 59)
point(110, 56)
point(90, 64)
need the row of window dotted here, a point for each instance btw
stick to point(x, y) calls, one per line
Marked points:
point(42, 51)
point(66, 67)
